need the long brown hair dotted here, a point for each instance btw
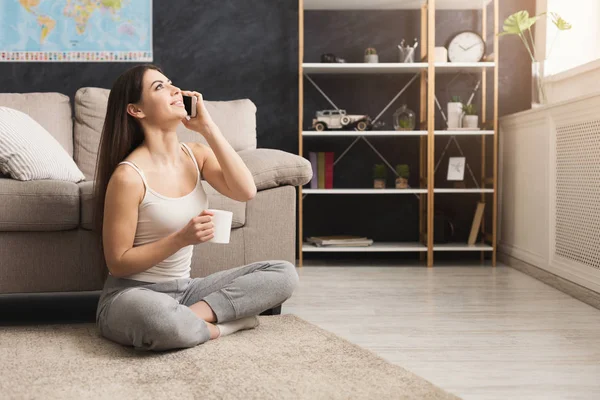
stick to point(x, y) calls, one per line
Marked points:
point(121, 133)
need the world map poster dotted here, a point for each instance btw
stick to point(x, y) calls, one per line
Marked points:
point(75, 30)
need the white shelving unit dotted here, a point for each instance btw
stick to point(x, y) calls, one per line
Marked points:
point(392, 68)
point(364, 191)
point(397, 133)
point(362, 68)
point(463, 133)
point(463, 247)
point(393, 191)
point(427, 69)
point(444, 190)
point(397, 247)
point(367, 133)
point(393, 4)
point(455, 68)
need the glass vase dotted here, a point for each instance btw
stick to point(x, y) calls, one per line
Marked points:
point(404, 119)
point(538, 92)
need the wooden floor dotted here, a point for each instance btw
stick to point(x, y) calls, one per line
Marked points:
point(478, 332)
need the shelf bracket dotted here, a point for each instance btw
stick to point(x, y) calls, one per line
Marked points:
point(374, 121)
point(347, 149)
point(396, 97)
point(379, 154)
point(383, 159)
point(321, 91)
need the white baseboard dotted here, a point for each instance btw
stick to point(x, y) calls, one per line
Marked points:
point(567, 286)
point(564, 270)
point(523, 254)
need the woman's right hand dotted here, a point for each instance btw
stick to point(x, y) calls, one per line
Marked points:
point(199, 230)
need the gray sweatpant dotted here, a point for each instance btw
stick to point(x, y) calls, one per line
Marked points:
point(156, 316)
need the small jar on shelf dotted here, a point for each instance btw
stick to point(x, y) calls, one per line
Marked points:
point(404, 119)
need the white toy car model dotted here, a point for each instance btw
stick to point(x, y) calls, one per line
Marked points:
point(338, 119)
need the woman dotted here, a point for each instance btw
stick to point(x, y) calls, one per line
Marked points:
point(151, 210)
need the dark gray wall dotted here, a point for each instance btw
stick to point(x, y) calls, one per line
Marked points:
point(226, 49)
point(230, 49)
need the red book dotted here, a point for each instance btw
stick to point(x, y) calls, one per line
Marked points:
point(329, 170)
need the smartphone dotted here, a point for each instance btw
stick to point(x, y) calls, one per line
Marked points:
point(190, 105)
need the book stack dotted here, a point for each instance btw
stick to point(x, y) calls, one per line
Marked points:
point(340, 241)
point(322, 166)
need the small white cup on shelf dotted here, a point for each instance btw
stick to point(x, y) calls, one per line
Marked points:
point(441, 54)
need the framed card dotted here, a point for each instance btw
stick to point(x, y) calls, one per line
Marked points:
point(456, 169)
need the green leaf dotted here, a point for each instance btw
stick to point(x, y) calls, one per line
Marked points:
point(518, 23)
point(560, 23)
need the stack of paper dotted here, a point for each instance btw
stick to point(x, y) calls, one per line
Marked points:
point(340, 241)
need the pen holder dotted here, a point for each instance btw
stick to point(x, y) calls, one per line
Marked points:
point(406, 54)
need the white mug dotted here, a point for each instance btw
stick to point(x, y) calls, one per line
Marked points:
point(222, 225)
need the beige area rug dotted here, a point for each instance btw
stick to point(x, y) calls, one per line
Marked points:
point(284, 358)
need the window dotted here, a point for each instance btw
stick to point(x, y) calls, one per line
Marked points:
point(577, 46)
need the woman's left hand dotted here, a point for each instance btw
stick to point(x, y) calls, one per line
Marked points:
point(202, 121)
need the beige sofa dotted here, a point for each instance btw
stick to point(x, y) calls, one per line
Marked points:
point(46, 241)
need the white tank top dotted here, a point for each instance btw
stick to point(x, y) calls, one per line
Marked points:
point(160, 216)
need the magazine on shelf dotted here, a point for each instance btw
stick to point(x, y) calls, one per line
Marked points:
point(340, 241)
point(476, 223)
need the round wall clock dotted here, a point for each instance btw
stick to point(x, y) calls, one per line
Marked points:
point(467, 46)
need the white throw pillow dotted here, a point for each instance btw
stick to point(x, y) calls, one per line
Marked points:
point(30, 152)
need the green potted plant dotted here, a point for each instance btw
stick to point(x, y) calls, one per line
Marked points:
point(403, 173)
point(520, 24)
point(470, 119)
point(379, 176)
point(371, 55)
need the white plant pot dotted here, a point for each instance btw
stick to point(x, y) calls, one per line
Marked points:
point(455, 114)
point(371, 58)
point(470, 121)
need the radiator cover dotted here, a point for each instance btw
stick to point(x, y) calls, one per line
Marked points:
point(577, 217)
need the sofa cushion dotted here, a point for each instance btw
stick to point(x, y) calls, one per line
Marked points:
point(236, 119)
point(30, 152)
point(90, 110)
point(45, 205)
point(215, 200)
point(50, 110)
point(272, 168)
